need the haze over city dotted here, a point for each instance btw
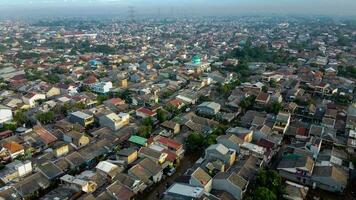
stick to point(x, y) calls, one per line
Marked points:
point(18, 8)
point(177, 99)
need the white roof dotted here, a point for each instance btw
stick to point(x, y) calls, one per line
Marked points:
point(81, 114)
point(186, 190)
point(253, 147)
point(219, 147)
point(105, 166)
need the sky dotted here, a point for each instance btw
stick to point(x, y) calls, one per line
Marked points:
point(206, 7)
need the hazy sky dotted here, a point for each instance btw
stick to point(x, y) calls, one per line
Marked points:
point(229, 7)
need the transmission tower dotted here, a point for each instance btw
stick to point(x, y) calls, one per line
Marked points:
point(132, 13)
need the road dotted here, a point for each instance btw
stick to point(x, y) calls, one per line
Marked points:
point(185, 164)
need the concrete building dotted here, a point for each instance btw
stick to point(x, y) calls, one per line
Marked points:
point(209, 108)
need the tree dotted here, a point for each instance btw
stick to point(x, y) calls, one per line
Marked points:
point(194, 142)
point(45, 117)
point(269, 186)
point(8, 126)
point(262, 193)
point(247, 102)
point(101, 98)
point(148, 121)
point(21, 118)
point(210, 139)
point(264, 88)
point(144, 131)
point(271, 179)
point(161, 115)
point(273, 83)
point(274, 107)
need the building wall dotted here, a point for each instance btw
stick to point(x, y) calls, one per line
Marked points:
point(131, 158)
point(224, 185)
point(207, 187)
point(61, 151)
point(328, 184)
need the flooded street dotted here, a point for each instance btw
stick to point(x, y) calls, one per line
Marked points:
point(185, 164)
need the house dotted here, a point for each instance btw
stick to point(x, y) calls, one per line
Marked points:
point(177, 103)
point(248, 148)
point(129, 155)
point(52, 91)
point(70, 89)
point(60, 149)
point(282, 122)
point(110, 170)
point(230, 141)
point(200, 178)
point(81, 118)
point(169, 144)
point(74, 160)
point(171, 126)
point(15, 170)
point(118, 191)
point(31, 98)
point(32, 185)
point(114, 121)
point(14, 149)
point(209, 108)
point(329, 178)
point(77, 139)
point(296, 167)
point(50, 170)
point(145, 112)
point(146, 170)
point(135, 185)
point(5, 114)
point(78, 183)
point(262, 99)
point(156, 156)
point(102, 87)
point(45, 135)
point(231, 183)
point(295, 191)
point(138, 140)
point(220, 152)
point(183, 191)
point(245, 134)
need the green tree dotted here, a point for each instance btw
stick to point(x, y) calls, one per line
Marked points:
point(161, 115)
point(144, 131)
point(194, 142)
point(264, 88)
point(210, 139)
point(148, 121)
point(274, 107)
point(247, 103)
point(262, 193)
point(271, 179)
point(8, 126)
point(45, 117)
point(21, 118)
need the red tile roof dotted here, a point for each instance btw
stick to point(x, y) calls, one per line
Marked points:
point(45, 135)
point(302, 131)
point(170, 155)
point(90, 80)
point(117, 101)
point(169, 143)
point(12, 146)
point(265, 143)
point(146, 111)
point(176, 102)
